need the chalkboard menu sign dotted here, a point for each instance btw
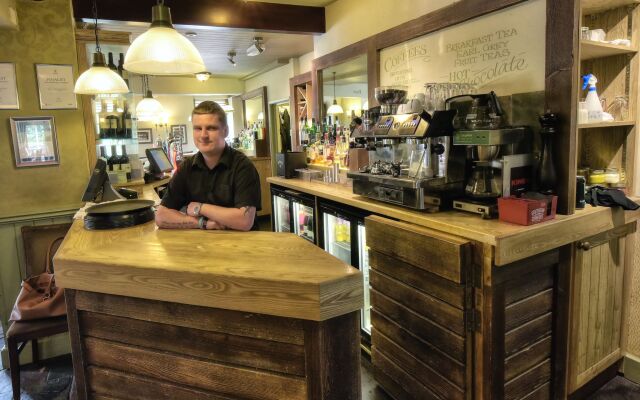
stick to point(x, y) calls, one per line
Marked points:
point(503, 51)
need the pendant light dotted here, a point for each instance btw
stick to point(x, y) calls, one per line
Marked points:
point(203, 76)
point(335, 107)
point(99, 79)
point(162, 50)
point(149, 109)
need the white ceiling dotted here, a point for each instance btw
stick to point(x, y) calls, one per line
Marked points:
point(214, 44)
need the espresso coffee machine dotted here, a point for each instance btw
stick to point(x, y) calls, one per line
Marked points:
point(414, 163)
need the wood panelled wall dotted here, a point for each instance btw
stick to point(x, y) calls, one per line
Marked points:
point(126, 347)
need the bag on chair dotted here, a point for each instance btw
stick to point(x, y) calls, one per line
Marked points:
point(39, 296)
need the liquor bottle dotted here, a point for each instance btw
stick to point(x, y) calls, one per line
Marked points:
point(103, 153)
point(125, 165)
point(126, 121)
point(314, 129)
point(123, 72)
point(128, 124)
point(112, 126)
point(104, 128)
point(111, 65)
point(114, 161)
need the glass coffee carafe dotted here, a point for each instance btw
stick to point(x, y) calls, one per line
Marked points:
point(483, 184)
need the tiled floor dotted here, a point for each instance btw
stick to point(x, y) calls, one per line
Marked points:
point(53, 381)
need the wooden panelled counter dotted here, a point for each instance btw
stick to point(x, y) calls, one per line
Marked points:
point(208, 314)
point(511, 242)
point(469, 308)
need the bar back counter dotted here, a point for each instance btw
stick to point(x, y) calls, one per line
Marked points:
point(162, 314)
point(465, 308)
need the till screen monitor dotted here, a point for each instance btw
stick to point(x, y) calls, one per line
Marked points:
point(158, 160)
point(99, 188)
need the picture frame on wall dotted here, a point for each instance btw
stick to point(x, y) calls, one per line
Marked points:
point(8, 87)
point(35, 142)
point(145, 135)
point(55, 87)
point(180, 130)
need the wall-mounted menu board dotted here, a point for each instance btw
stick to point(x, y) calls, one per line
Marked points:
point(503, 51)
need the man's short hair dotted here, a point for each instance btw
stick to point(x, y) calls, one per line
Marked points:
point(211, 107)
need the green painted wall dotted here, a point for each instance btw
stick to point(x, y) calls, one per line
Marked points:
point(45, 36)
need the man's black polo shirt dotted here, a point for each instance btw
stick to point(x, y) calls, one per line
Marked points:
point(233, 183)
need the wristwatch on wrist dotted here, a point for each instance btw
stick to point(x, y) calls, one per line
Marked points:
point(196, 210)
point(202, 222)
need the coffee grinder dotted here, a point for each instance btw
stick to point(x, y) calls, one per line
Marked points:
point(499, 162)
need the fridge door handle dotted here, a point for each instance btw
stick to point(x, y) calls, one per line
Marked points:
point(292, 192)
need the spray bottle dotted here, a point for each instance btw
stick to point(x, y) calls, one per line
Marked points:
point(594, 108)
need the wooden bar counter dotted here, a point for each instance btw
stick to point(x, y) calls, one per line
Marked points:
point(469, 308)
point(189, 314)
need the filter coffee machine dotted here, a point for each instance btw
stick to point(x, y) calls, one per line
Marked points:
point(499, 163)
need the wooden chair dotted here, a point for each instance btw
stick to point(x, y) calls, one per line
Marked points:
point(36, 240)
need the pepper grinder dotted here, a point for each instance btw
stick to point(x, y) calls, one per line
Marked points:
point(546, 170)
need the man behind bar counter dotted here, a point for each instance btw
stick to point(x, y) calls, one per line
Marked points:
point(218, 188)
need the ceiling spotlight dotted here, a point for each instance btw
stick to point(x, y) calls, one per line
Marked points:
point(203, 76)
point(230, 56)
point(256, 48)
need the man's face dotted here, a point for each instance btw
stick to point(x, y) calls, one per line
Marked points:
point(208, 133)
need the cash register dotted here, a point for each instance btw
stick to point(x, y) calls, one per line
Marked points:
point(159, 164)
point(112, 210)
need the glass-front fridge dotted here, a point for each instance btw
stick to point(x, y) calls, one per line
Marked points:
point(343, 235)
point(293, 212)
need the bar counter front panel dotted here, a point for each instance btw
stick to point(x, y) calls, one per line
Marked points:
point(193, 315)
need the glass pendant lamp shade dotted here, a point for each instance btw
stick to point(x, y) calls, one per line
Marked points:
point(203, 76)
point(149, 109)
point(99, 79)
point(335, 108)
point(162, 50)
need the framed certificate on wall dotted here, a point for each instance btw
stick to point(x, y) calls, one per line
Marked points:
point(55, 87)
point(8, 87)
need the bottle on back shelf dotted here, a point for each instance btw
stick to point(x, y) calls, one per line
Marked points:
point(123, 72)
point(125, 165)
point(594, 107)
point(111, 65)
point(103, 153)
point(126, 121)
point(114, 161)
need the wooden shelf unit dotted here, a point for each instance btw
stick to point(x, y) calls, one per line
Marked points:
point(606, 124)
point(611, 144)
point(595, 333)
point(590, 49)
point(301, 105)
point(598, 6)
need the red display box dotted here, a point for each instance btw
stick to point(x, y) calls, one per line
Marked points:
point(527, 210)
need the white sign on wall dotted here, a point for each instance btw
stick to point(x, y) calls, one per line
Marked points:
point(503, 51)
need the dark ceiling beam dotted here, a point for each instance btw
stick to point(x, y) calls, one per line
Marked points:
point(220, 13)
